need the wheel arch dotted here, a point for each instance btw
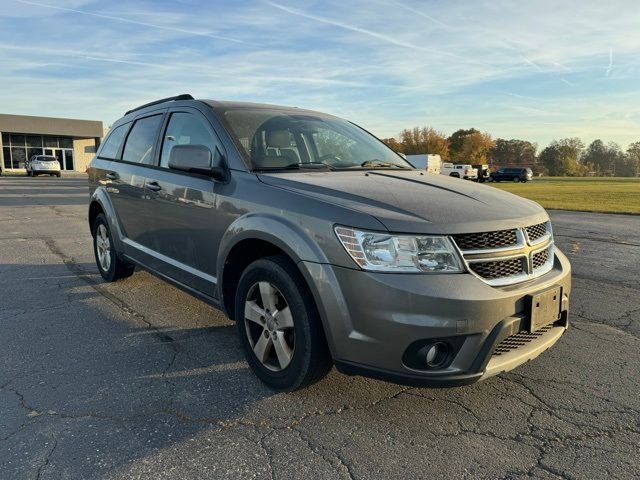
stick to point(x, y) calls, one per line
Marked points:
point(100, 203)
point(257, 236)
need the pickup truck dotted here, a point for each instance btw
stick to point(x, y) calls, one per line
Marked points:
point(459, 171)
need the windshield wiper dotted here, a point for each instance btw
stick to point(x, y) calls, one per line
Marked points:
point(299, 166)
point(381, 163)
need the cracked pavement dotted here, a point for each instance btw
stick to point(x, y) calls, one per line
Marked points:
point(139, 380)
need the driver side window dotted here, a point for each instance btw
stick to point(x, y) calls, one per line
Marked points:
point(185, 129)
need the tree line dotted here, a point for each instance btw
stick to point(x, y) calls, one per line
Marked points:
point(564, 157)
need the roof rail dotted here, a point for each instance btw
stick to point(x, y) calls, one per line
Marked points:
point(184, 96)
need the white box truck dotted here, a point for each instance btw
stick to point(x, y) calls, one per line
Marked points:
point(426, 161)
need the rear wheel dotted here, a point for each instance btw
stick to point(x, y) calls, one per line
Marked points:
point(279, 327)
point(516, 180)
point(456, 175)
point(58, 174)
point(110, 266)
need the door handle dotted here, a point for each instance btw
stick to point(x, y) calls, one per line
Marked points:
point(112, 175)
point(154, 186)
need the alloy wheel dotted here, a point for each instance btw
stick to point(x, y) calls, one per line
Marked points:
point(103, 247)
point(269, 326)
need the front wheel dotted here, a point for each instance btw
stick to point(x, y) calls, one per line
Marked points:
point(279, 326)
point(516, 180)
point(110, 266)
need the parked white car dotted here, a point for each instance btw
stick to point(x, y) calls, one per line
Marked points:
point(460, 171)
point(43, 165)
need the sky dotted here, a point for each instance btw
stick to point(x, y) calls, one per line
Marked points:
point(535, 70)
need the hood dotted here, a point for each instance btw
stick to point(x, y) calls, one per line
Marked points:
point(414, 201)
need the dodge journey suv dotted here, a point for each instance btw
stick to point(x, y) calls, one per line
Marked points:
point(324, 246)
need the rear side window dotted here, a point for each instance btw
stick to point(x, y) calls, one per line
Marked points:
point(141, 139)
point(111, 146)
point(185, 129)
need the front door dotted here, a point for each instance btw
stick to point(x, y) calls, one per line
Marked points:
point(182, 212)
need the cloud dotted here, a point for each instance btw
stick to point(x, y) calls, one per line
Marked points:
point(133, 22)
point(496, 65)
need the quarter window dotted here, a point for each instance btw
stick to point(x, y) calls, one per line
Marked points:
point(185, 129)
point(139, 145)
point(111, 146)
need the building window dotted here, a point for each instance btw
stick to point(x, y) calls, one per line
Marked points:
point(65, 142)
point(17, 140)
point(51, 142)
point(18, 156)
point(18, 147)
point(6, 151)
point(34, 141)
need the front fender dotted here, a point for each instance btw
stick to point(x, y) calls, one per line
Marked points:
point(290, 237)
point(101, 197)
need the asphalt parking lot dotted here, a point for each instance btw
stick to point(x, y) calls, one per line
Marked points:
point(139, 380)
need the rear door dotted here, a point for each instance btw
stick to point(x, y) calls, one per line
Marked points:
point(182, 218)
point(127, 179)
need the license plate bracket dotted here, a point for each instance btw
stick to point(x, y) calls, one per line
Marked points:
point(544, 307)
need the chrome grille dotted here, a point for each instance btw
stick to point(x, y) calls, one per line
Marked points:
point(505, 257)
point(535, 232)
point(520, 339)
point(485, 240)
point(499, 269)
point(540, 258)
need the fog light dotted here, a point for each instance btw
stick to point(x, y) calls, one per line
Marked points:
point(437, 354)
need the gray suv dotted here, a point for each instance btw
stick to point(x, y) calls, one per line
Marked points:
point(326, 247)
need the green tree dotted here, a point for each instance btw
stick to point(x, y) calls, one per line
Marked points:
point(424, 140)
point(393, 144)
point(601, 157)
point(475, 148)
point(559, 159)
point(514, 152)
point(573, 147)
point(456, 142)
point(633, 159)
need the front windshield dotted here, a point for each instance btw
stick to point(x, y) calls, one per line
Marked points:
point(279, 139)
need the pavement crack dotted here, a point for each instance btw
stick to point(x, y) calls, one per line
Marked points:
point(47, 459)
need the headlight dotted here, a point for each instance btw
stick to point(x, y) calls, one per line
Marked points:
point(384, 252)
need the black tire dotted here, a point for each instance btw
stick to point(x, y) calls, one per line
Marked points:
point(516, 180)
point(117, 268)
point(310, 360)
point(29, 173)
point(58, 175)
point(455, 175)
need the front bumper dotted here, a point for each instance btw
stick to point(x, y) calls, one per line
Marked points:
point(371, 319)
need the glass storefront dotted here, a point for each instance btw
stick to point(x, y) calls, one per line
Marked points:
point(18, 147)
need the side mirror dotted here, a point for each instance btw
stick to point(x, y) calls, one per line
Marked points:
point(197, 159)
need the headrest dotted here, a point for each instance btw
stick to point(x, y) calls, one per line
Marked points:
point(278, 139)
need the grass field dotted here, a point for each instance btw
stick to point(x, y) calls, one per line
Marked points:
point(589, 194)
